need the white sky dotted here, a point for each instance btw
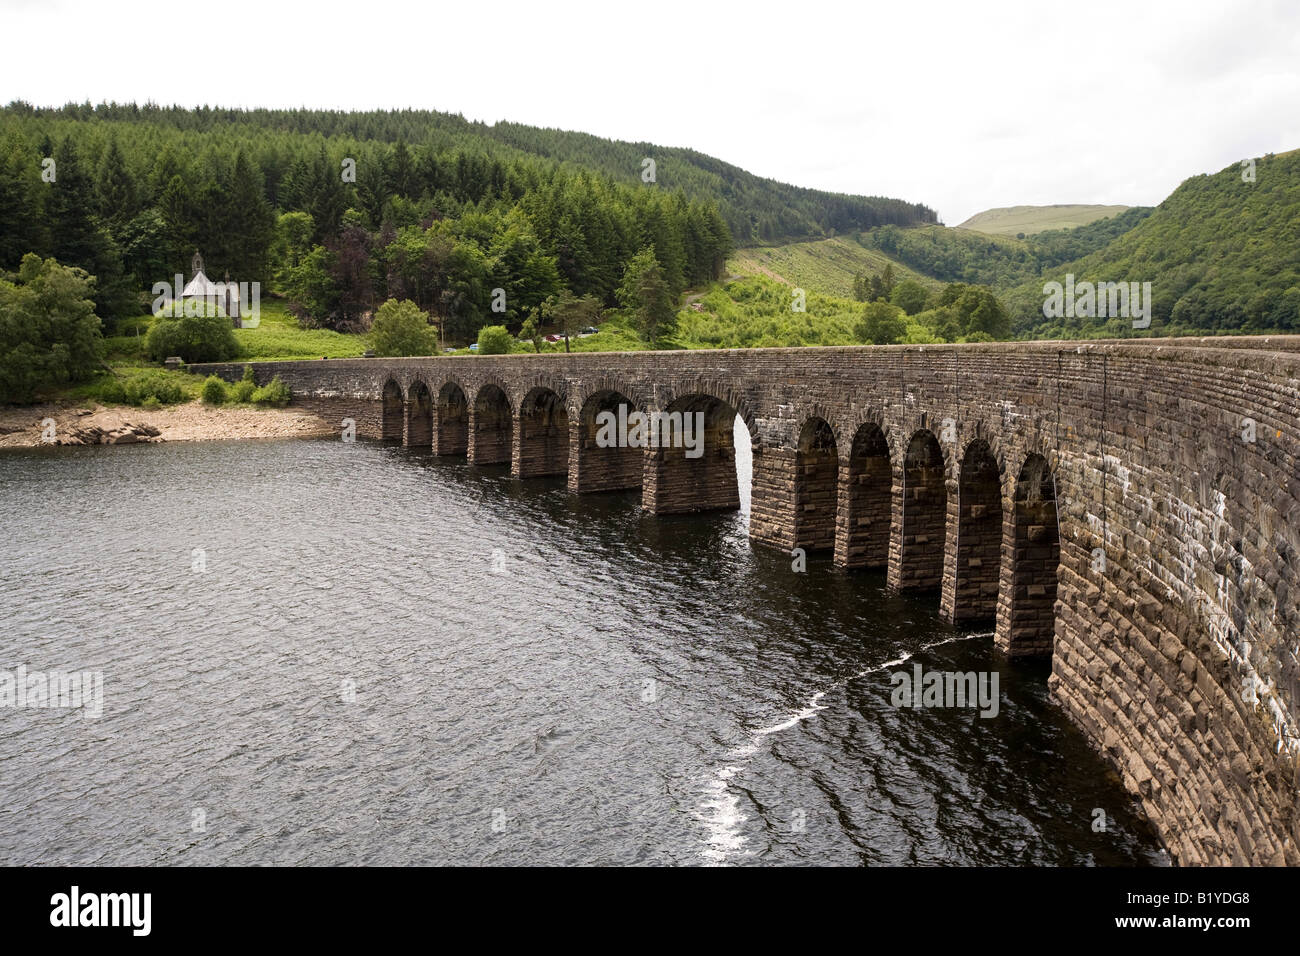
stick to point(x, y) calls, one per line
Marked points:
point(960, 105)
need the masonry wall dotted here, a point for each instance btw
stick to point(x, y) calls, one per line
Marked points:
point(1171, 618)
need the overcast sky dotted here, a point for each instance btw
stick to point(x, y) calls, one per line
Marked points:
point(963, 105)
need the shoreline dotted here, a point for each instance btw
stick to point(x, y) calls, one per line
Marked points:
point(92, 424)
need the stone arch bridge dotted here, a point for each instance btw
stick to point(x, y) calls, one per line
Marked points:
point(1130, 510)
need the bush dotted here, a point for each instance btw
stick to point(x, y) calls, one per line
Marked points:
point(274, 393)
point(401, 328)
point(242, 391)
point(214, 391)
point(149, 388)
point(494, 340)
point(195, 338)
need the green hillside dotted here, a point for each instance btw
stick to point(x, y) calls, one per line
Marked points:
point(827, 266)
point(962, 255)
point(1221, 254)
point(1024, 221)
point(756, 209)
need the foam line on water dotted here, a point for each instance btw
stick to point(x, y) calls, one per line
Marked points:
point(720, 811)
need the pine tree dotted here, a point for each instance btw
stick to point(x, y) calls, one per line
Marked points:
point(19, 204)
point(75, 237)
point(116, 188)
point(249, 220)
point(646, 293)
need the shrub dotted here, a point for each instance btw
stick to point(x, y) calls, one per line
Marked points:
point(274, 392)
point(242, 391)
point(149, 388)
point(214, 391)
point(494, 340)
point(195, 338)
point(401, 328)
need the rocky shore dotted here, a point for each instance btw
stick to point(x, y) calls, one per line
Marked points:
point(30, 426)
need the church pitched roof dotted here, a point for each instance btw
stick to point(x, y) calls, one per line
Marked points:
point(199, 287)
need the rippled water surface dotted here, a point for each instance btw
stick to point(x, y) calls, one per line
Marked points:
point(357, 678)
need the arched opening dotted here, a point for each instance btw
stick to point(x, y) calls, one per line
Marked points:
point(862, 527)
point(917, 562)
point(972, 595)
point(816, 477)
point(419, 416)
point(451, 434)
point(603, 460)
point(1031, 552)
point(492, 427)
point(393, 412)
point(690, 457)
point(543, 447)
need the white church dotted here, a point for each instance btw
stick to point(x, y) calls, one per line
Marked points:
point(201, 288)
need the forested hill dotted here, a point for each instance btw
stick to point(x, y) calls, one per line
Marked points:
point(1222, 253)
point(756, 210)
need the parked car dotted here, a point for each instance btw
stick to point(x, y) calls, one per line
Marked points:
point(474, 347)
point(589, 330)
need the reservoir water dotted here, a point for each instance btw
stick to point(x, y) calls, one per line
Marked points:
point(316, 652)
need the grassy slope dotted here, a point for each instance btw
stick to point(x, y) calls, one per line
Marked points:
point(1011, 220)
point(277, 337)
point(826, 266)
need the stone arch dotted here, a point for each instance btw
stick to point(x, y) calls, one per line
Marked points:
point(541, 445)
point(392, 411)
point(491, 426)
point(601, 457)
point(1031, 557)
point(864, 513)
point(916, 555)
point(719, 390)
point(451, 420)
point(970, 591)
point(542, 380)
point(695, 472)
point(816, 481)
point(419, 415)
